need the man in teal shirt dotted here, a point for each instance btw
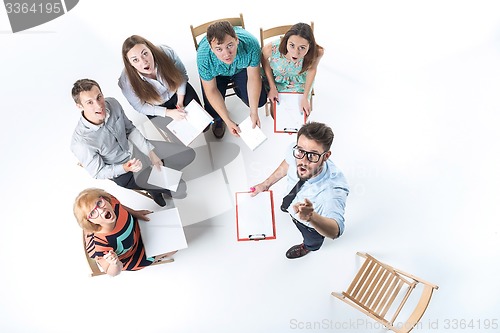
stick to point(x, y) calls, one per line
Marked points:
point(230, 54)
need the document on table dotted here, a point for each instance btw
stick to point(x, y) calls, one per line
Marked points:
point(288, 115)
point(163, 232)
point(253, 137)
point(165, 177)
point(255, 216)
point(196, 120)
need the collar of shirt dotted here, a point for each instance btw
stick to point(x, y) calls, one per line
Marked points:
point(147, 79)
point(92, 126)
point(319, 176)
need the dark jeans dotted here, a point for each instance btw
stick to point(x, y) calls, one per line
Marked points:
point(173, 155)
point(312, 239)
point(240, 81)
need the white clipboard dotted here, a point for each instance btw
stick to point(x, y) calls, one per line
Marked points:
point(255, 216)
point(288, 116)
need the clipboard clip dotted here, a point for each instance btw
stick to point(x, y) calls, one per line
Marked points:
point(257, 237)
point(290, 130)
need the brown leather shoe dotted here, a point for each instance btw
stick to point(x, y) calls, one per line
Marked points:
point(297, 251)
point(219, 128)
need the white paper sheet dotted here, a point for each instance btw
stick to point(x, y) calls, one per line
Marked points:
point(163, 232)
point(253, 137)
point(165, 178)
point(196, 120)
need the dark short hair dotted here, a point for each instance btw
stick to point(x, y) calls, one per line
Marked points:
point(82, 85)
point(318, 132)
point(218, 30)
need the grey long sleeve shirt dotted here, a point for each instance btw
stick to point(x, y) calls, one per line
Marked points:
point(102, 149)
point(161, 87)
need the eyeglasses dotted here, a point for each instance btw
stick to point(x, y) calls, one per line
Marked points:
point(99, 204)
point(311, 156)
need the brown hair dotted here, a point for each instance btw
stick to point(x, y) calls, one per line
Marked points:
point(82, 85)
point(305, 31)
point(318, 132)
point(218, 30)
point(84, 203)
point(166, 69)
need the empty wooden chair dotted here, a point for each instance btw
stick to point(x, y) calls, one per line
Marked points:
point(381, 292)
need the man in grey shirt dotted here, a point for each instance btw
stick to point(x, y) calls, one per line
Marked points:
point(101, 144)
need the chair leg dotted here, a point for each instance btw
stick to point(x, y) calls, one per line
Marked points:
point(145, 193)
point(164, 260)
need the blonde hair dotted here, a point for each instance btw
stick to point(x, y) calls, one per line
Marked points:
point(84, 203)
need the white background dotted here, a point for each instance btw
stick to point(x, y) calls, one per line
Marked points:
point(410, 89)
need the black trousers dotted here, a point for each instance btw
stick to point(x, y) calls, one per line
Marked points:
point(174, 156)
point(312, 239)
point(162, 122)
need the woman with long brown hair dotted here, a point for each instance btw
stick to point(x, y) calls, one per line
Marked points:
point(155, 81)
point(290, 63)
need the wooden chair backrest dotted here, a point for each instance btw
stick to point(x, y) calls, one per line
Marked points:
point(94, 267)
point(199, 31)
point(96, 271)
point(377, 286)
point(276, 31)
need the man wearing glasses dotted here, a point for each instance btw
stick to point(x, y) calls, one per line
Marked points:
point(318, 189)
point(230, 54)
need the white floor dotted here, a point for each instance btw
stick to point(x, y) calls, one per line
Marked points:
point(411, 91)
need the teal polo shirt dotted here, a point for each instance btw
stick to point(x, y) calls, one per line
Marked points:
point(247, 55)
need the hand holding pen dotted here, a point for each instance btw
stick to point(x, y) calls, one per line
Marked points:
point(257, 189)
point(133, 165)
point(176, 114)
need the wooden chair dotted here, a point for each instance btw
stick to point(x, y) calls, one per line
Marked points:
point(95, 270)
point(375, 289)
point(200, 31)
point(278, 31)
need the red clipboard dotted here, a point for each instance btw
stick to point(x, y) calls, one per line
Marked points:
point(255, 216)
point(288, 116)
